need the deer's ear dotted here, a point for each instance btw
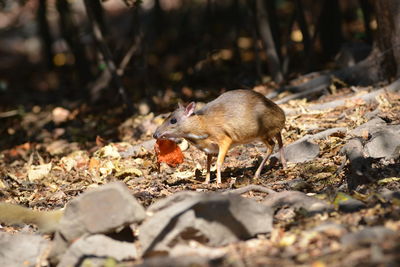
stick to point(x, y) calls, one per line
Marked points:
point(189, 110)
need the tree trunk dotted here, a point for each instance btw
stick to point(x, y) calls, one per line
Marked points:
point(45, 34)
point(71, 34)
point(388, 38)
point(383, 62)
point(330, 28)
point(366, 8)
point(264, 27)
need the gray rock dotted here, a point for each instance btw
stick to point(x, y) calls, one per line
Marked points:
point(346, 203)
point(59, 246)
point(367, 236)
point(372, 114)
point(371, 126)
point(21, 249)
point(383, 143)
point(301, 151)
point(297, 200)
point(186, 261)
point(97, 246)
point(298, 184)
point(304, 149)
point(351, 205)
point(184, 198)
point(212, 219)
point(100, 211)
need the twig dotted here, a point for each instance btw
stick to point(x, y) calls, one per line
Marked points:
point(370, 97)
point(105, 51)
point(131, 51)
point(264, 27)
point(323, 79)
point(249, 188)
point(302, 94)
point(10, 113)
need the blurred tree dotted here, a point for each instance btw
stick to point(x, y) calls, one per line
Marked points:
point(71, 32)
point(331, 28)
point(44, 33)
point(383, 63)
point(388, 36)
point(264, 28)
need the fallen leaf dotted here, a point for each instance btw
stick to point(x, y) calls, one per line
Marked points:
point(67, 163)
point(100, 142)
point(318, 264)
point(287, 240)
point(19, 150)
point(184, 174)
point(2, 185)
point(37, 172)
point(60, 115)
point(94, 164)
point(388, 180)
point(169, 152)
point(107, 168)
point(341, 197)
point(127, 171)
point(109, 151)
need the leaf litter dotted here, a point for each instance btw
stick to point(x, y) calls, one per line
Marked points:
point(53, 170)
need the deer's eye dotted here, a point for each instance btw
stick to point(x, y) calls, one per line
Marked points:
point(173, 121)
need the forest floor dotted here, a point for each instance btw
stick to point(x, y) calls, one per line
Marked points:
point(75, 149)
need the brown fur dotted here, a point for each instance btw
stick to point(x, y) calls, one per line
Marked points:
point(235, 117)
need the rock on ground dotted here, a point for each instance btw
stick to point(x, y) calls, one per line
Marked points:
point(211, 219)
point(96, 247)
point(21, 249)
point(297, 200)
point(100, 211)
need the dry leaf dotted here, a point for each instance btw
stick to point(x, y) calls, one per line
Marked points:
point(107, 168)
point(67, 163)
point(183, 175)
point(37, 172)
point(94, 164)
point(388, 180)
point(2, 185)
point(287, 240)
point(127, 171)
point(60, 115)
point(169, 152)
point(109, 151)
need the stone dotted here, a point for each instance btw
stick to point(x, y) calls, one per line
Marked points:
point(21, 249)
point(97, 248)
point(367, 236)
point(351, 205)
point(297, 200)
point(301, 151)
point(384, 143)
point(101, 210)
point(208, 218)
point(370, 127)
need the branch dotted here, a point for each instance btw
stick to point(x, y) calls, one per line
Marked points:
point(249, 188)
point(105, 51)
point(368, 98)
